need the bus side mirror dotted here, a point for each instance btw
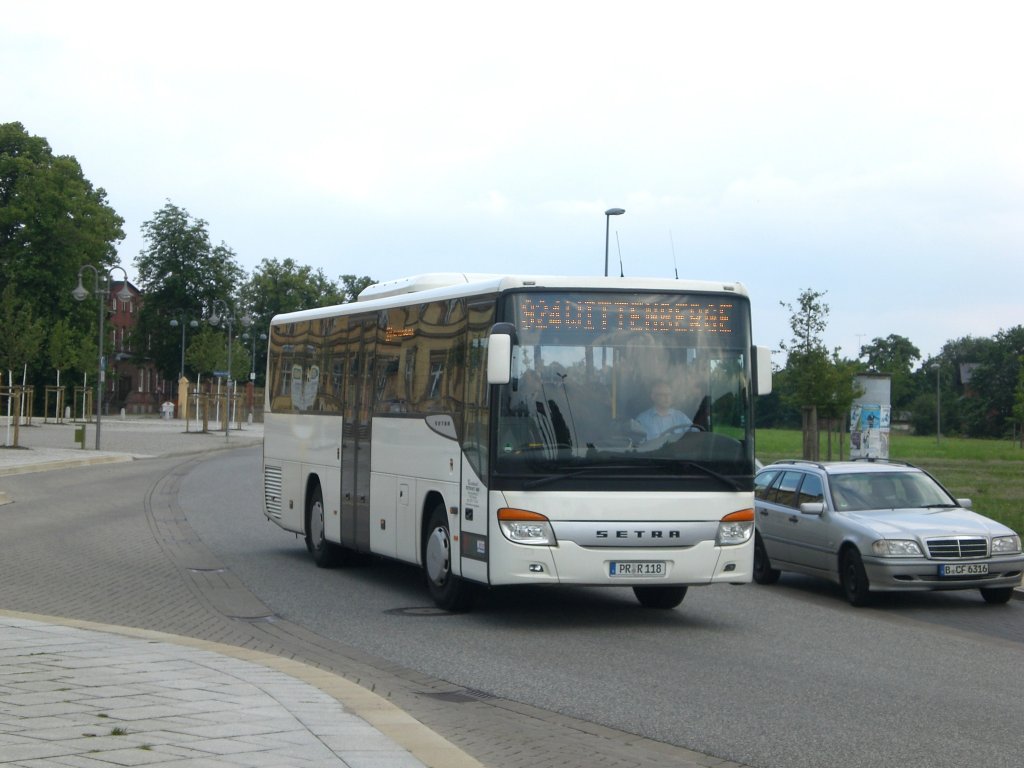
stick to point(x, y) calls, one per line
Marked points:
point(499, 353)
point(763, 371)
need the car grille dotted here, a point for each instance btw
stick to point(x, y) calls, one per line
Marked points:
point(947, 549)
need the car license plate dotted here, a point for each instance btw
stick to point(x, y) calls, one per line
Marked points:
point(637, 569)
point(963, 569)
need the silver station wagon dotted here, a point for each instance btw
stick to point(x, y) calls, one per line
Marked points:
point(873, 526)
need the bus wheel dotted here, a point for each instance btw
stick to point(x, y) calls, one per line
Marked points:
point(325, 554)
point(447, 590)
point(660, 597)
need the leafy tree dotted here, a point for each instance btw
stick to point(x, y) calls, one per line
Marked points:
point(285, 286)
point(181, 275)
point(65, 348)
point(815, 379)
point(22, 338)
point(52, 221)
point(208, 353)
point(988, 401)
point(352, 286)
point(807, 359)
point(896, 356)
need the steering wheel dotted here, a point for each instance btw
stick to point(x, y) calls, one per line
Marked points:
point(679, 429)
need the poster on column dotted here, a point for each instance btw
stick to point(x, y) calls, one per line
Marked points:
point(869, 431)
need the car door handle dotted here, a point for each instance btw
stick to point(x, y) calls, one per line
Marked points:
point(794, 519)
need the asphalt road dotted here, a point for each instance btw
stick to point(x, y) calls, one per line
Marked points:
point(783, 676)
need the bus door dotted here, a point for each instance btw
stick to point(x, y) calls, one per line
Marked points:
point(356, 433)
point(474, 542)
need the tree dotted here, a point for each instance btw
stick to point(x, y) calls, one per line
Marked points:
point(208, 353)
point(352, 286)
point(894, 355)
point(65, 348)
point(22, 338)
point(816, 381)
point(988, 401)
point(52, 221)
point(284, 286)
point(180, 274)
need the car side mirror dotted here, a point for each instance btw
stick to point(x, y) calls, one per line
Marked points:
point(812, 508)
point(965, 503)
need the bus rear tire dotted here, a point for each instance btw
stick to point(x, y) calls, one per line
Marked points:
point(446, 589)
point(664, 598)
point(325, 554)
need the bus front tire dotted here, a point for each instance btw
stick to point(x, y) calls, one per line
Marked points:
point(446, 589)
point(664, 598)
point(325, 554)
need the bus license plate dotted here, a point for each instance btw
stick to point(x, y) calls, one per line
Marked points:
point(963, 569)
point(637, 569)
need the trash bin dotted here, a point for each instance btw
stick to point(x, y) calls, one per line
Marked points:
point(167, 410)
point(80, 436)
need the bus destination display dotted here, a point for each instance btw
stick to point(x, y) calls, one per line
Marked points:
point(555, 312)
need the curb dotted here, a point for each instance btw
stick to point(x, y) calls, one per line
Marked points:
point(408, 732)
point(47, 466)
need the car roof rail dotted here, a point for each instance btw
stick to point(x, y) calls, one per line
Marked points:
point(882, 460)
point(813, 463)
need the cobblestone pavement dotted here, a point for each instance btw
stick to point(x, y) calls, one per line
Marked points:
point(151, 573)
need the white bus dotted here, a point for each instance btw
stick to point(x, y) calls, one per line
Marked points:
point(490, 429)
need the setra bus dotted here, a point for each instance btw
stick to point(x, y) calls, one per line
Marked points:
point(492, 430)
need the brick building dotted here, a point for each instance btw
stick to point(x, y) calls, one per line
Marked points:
point(133, 383)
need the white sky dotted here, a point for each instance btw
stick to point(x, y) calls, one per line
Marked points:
point(871, 150)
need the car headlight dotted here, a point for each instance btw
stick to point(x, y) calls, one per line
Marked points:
point(524, 527)
point(735, 528)
point(1006, 545)
point(896, 548)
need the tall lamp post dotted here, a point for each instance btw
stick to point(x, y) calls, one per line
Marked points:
point(245, 337)
point(938, 404)
point(175, 322)
point(228, 319)
point(101, 290)
point(607, 226)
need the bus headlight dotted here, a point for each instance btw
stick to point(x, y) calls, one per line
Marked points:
point(735, 528)
point(524, 527)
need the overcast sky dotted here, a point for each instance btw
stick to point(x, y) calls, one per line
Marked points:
point(871, 150)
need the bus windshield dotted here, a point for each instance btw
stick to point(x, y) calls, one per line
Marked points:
point(650, 386)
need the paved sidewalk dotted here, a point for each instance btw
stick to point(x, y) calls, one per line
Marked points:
point(80, 694)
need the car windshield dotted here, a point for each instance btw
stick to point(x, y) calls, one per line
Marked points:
point(865, 491)
point(624, 395)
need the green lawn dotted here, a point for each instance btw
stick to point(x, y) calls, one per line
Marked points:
point(989, 472)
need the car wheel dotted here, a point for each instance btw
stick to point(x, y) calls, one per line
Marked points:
point(325, 553)
point(763, 571)
point(996, 595)
point(854, 579)
point(664, 598)
point(446, 589)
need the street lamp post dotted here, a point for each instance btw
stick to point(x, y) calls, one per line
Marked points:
point(607, 226)
point(246, 337)
point(938, 404)
point(227, 317)
point(175, 322)
point(101, 290)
